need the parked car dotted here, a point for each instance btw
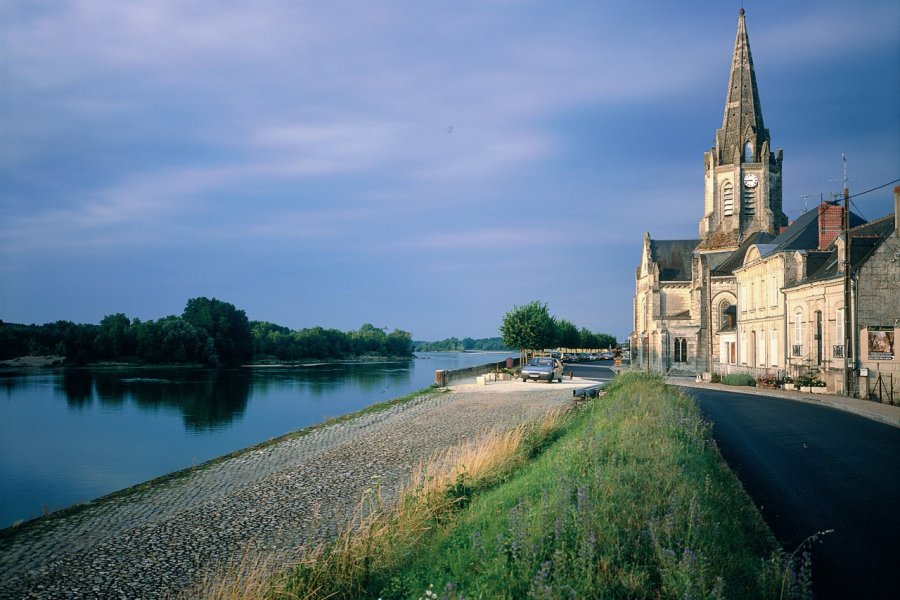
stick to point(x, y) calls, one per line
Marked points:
point(543, 368)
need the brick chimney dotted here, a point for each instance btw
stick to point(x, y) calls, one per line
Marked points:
point(829, 223)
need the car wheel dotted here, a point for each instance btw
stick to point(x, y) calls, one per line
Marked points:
point(559, 380)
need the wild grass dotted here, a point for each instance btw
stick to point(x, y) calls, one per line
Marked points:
point(628, 498)
point(384, 536)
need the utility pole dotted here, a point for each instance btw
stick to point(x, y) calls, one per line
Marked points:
point(848, 324)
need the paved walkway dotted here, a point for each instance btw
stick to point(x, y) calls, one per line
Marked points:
point(871, 409)
point(154, 541)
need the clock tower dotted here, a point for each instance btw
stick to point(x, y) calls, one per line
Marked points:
point(743, 174)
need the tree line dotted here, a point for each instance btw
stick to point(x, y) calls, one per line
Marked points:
point(456, 345)
point(209, 332)
point(532, 327)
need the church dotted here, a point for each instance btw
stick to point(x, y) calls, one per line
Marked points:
point(755, 293)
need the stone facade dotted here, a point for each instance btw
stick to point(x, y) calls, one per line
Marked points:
point(755, 294)
point(877, 317)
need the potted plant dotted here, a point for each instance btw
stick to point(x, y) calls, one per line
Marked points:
point(767, 381)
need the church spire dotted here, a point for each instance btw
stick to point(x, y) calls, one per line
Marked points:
point(742, 134)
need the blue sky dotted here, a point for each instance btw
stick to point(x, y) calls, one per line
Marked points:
point(416, 165)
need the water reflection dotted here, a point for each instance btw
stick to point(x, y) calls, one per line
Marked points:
point(210, 399)
point(77, 434)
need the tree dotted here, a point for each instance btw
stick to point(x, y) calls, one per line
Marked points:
point(399, 343)
point(225, 324)
point(567, 335)
point(116, 338)
point(604, 340)
point(528, 327)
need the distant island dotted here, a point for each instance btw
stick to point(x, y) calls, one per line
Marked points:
point(209, 332)
point(494, 344)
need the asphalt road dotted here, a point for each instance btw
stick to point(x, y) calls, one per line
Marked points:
point(812, 469)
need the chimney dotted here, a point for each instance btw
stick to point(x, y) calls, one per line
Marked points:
point(829, 223)
point(897, 210)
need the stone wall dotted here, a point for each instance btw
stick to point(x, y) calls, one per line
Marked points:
point(444, 377)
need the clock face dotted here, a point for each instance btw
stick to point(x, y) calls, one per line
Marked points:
point(750, 180)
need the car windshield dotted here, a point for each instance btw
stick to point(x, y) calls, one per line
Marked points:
point(541, 362)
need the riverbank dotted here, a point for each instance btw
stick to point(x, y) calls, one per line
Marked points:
point(277, 499)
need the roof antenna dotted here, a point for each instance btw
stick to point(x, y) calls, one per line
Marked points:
point(806, 202)
point(844, 179)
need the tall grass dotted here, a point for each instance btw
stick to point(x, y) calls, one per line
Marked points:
point(626, 499)
point(384, 536)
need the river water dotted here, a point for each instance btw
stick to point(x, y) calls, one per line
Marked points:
point(68, 436)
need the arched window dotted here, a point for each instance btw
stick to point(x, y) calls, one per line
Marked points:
point(727, 199)
point(644, 315)
point(680, 354)
point(748, 152)
point(727, 315)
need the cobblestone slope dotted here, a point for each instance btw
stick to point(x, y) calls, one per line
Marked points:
point(277, 499)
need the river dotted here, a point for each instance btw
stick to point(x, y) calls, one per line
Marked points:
point(73, 435)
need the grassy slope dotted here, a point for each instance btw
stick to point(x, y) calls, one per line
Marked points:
point(628, 498)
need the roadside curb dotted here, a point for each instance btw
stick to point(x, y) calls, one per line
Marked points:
point(876, 411)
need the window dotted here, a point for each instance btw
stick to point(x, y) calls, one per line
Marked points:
point(749, 202)
point(727, 315)
point(761, 349)
point(727, 199)
point(838, 349)
point(752, 295)
point(743, 298)
point(748, 152)
point(773, 292)
point(797, 347)
point(644, 313)
point(773, 348)
point(680, 354)
point(744, 348)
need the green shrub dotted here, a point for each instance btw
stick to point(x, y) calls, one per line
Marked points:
point(715, 378)
point(739, 379)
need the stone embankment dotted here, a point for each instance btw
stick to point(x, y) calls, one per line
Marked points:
point(155, 541)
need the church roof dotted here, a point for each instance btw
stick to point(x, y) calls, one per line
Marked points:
point(743, 113)
point(736, 260)
point(674, 258)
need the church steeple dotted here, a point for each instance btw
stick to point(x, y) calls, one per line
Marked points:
point(743, 121)
point(743, 174)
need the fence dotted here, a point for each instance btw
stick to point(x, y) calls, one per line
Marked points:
point(444, 377)
point(755, 372)
point(880, 387)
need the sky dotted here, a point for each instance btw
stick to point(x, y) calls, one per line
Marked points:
point(417, 165)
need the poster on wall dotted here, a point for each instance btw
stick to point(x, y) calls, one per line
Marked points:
point(881, 343)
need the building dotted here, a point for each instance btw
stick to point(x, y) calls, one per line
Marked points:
point(754, 293)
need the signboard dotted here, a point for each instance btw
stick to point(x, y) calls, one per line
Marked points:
point(881, 343)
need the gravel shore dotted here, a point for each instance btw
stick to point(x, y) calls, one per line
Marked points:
point(276, 500)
